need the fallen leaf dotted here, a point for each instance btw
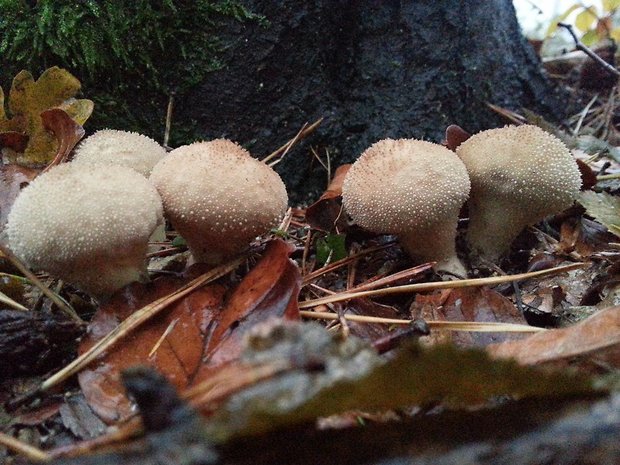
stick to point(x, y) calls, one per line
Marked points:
point(369, 331)
point(588, 177)
point(354, 377)
point(478, 304)
point(604, 207)
point(326, 213)
point(270, 289)
point(13, 178)
point(191, 338)
point(595, 339)
point(15, 141)
point(56, 87)
point(178, 356)
point(67, 131)
point(455, 136)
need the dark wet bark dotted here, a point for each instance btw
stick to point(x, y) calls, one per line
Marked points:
point(373, 68)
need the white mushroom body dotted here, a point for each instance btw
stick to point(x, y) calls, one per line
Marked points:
point(519, 175)
point(86, 225)
point(413, 189)
point(112, 147)
point(218, 197)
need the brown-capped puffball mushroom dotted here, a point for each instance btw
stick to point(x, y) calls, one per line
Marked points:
point(413, 189)
point(519, 175)
point(113, 147)
point(218, 197)
point(88, 225)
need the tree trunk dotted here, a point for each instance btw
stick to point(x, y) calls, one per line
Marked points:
point(373, 69)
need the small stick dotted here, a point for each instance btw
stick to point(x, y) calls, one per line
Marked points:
point(438, 285)
point(168, 119)
point(580, 46)
point(304, 131)
point(470, 326)
point(26, 450)
point(125, 327)
point(60, 303)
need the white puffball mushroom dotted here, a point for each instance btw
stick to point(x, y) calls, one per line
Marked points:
point(218, 197)
point(413, 189)
point(122, 148)
point(519, 175)
point(88, 225)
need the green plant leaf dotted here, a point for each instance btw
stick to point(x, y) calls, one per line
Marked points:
point(605, 208)
point(330, 248)
point(610, 5)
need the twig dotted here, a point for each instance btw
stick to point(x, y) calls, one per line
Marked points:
point(168, 119)
point(421, 287)
point(26, 450)
point(303, 132)
point(580, 46)
point(133, 321)
point(470, 326)
point(60, 303)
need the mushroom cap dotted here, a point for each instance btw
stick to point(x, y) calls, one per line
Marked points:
point(113, 147)
point(519, 175)
point(405, 184)
point(525, 163)
point(88, 225)
point(218, 197)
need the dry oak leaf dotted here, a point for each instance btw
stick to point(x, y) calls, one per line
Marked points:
point(196, 335)
point(55, 88)
point(595, 339)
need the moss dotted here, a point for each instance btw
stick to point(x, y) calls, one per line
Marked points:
point(129, 54)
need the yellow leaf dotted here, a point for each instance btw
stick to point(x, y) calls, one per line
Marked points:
point(78, 109)
point(589, 38)
point(558, 19)
point(615, 34)
point(585, 20)
point(56, 87)
point(609, 5)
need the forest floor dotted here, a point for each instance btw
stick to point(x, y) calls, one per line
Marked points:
point(518, 363)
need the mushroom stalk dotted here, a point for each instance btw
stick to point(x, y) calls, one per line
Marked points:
point(442, 251)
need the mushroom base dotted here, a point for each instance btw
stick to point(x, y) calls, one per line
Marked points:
point(493, 226)
point(435, 244)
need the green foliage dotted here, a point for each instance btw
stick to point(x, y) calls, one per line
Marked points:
point(118, 48)
point(330, 248)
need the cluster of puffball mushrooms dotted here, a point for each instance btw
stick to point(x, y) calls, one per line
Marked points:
point(89, 221)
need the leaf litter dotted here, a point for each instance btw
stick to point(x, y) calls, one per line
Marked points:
point(229, 331)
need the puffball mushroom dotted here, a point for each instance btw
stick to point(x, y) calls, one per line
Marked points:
point(88, 225)
point(218, 197)
point(413, 189)
point(519, 175)
point(113, 147)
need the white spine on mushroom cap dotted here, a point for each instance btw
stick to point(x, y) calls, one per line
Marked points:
point(218, 197)
point(88, 225)
point(413, 189)
point(122, 148)
point(519, 175)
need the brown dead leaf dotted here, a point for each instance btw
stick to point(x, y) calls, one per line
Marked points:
point(203, 328)
point(13, 178)
point(270, 289)
point(14, 141)
point(326, 213)
point(67, 131)
point(595, 340)
point(369, 331)
point(588, 177)
point(478, 304)
point(178, 356)
point(455, 136)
